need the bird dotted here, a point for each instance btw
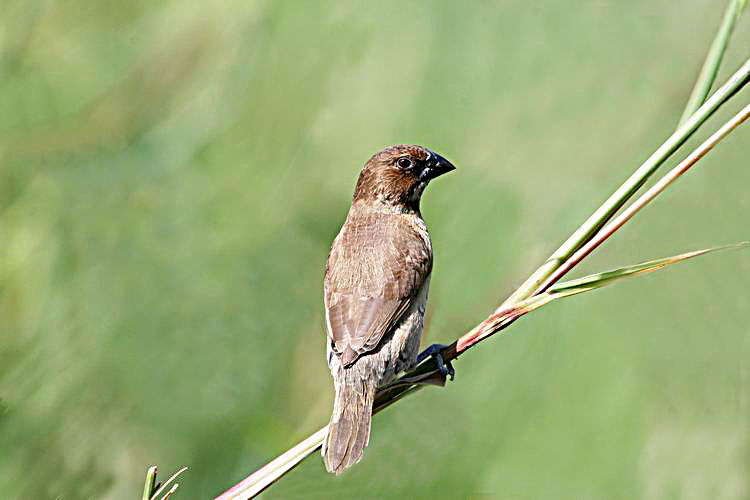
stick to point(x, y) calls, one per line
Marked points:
point(375, 292)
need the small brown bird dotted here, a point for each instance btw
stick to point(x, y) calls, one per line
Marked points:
point(375, 292)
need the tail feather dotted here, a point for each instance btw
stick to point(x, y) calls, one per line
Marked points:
point(349, 429)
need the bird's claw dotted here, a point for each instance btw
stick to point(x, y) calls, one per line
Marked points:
point(445, 368)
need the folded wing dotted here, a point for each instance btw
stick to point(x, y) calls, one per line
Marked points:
point(377, 265)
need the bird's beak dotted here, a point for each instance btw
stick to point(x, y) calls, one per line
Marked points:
point(436, 166)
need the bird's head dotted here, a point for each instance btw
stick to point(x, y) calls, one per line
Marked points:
point(398, 175)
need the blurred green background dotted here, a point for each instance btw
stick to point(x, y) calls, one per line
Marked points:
point(172, 175)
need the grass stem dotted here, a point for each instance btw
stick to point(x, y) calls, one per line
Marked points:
point(711, 65)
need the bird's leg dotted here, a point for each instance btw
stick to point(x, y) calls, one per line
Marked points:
point(434, 350)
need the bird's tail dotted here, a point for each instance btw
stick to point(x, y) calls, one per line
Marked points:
point(349, 429)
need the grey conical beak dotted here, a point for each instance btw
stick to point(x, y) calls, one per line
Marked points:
point(436, 166)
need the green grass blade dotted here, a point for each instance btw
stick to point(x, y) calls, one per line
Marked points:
point(600, 280)
point(148, 488)
point(167, 482)
point(710, 68)
point(503, 317)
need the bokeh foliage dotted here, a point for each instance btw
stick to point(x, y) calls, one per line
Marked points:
point(172, 174)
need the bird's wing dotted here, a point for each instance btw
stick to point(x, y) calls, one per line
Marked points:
point(378, 264)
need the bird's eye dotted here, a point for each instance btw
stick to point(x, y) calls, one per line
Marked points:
point(404, 162)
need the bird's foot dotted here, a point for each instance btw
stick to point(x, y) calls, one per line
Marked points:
point(434, 351)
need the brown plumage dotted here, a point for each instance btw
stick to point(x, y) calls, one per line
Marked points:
point(375, 291)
